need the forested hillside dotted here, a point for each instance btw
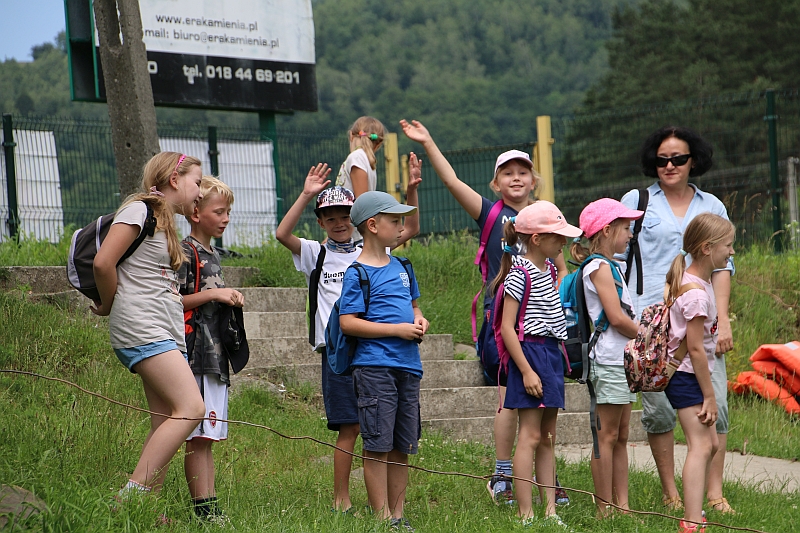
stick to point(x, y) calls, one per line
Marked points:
point(476, 71)
point(664, 50)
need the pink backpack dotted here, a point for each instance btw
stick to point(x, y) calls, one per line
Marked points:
point(502, 351)
point(483, 262)
point(648, 366)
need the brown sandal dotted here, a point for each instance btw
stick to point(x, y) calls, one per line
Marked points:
point(673, 504)
point(721, 505)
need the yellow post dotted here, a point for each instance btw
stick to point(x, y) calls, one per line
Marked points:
point(543, 158)
point(392, 156)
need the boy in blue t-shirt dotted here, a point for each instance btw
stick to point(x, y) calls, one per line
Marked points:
point(386, 366)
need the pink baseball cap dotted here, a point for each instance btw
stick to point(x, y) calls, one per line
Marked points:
point(505, 157)
point(603, 212)
point(544, 217)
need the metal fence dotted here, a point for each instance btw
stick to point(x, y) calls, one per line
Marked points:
point(597, 155)
point(69, 165)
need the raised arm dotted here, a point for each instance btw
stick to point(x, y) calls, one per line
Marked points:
point(411, 226)
point(316, 181)
point(470, 200)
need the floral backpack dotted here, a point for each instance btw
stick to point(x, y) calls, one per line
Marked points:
point(648, 366)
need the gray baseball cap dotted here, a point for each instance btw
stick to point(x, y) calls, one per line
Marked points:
point(371, 203)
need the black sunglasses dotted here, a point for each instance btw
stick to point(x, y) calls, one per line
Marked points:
point(676, 160)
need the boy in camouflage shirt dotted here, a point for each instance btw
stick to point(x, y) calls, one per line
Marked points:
point(205, 295)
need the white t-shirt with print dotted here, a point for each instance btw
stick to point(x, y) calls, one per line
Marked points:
point(611, 344)
point(330, 280)
point(147, 307)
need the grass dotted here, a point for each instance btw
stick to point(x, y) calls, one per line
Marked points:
point(74, 451)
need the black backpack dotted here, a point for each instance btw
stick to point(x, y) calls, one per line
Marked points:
point(85, 244)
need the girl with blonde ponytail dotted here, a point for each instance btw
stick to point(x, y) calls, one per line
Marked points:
point(358, 171)
point(140, 296)
point(535, 381)
point(693, 320)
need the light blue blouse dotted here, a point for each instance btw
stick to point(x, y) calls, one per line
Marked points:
point(661, 239)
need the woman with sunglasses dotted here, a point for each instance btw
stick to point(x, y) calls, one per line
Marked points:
point(673, 155)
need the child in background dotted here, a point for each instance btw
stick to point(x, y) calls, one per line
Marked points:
point(386, 366)
point(693, 318)
point(208, 361)
point(333, 215)
point(535, 372)
point(606, 223)
point(514, 181)
point(357, 173)
point(141, 298)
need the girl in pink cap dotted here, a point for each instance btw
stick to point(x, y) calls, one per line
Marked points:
point(535, 385)
point(514, 181)
point(606, 224)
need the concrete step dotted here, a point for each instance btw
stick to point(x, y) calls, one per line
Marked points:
point(270, 325)
point(273, 299)
point(466, 402)
point(571, 428)
point(436, 374)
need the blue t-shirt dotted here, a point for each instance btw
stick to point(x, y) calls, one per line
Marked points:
point(391, 294)
point(494, 244)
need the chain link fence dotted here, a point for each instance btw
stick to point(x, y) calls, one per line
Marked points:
point(65, 173)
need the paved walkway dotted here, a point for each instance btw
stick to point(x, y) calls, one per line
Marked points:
point(763, 473)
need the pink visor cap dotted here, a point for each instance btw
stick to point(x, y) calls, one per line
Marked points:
point(603, 212)
point(544, 217)
point(505, 157)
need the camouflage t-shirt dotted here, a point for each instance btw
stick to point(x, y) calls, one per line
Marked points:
point(207, 356)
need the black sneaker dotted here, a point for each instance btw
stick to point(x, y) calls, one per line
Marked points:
point(501, 489)
point(400, 524)
point(561, 494)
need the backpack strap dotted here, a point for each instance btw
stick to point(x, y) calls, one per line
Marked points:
point(363, 280)
point(483, 262)
point(313, 296)
point(148, 230)
point(194, 265)
point(683, 348)
point(523, 304)
point(409, 270)
point(634, 252)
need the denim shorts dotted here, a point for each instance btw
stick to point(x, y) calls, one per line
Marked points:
point(658, 415)
point(610, 384)
point(545, 358)
point(339, 397)
point(388, 409)
point(684, 390)
point(136, 354)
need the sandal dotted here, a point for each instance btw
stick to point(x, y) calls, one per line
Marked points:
point(721, 505)
point(673, 504)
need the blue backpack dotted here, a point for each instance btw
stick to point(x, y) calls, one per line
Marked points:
point(580, 340)
point(340, 347)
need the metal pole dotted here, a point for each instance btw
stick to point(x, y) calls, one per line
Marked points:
point(269, 132)
point(213, 156)
point(772, 137)
point(11, 177)
point(791, 181)
point(213, 153)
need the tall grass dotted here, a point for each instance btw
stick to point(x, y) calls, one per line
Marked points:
point(74, 451)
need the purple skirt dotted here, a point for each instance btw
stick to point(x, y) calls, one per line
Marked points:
point(546, 360)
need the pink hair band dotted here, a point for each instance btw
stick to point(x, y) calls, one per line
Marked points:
point(180, 160)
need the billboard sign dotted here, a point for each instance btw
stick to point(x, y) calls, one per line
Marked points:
point(238, 54)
